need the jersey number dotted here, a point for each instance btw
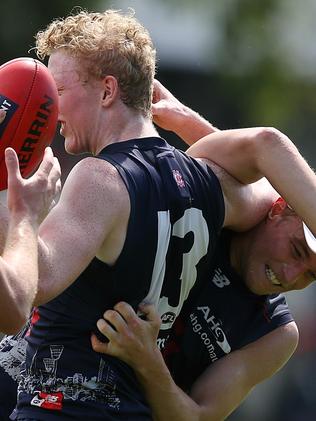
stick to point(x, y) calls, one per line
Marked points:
point(192, 222)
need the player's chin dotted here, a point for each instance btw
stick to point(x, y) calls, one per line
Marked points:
point(71, 147)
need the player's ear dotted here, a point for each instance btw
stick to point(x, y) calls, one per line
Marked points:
point(110, 90)
point(277, 208)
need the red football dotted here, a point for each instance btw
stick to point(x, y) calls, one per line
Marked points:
point(29, 96)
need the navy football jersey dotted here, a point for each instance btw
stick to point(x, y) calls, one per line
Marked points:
point(219, 318)
point(8, 391)
point(177, 211)
point(12, 354)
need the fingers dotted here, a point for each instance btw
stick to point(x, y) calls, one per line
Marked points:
point(150, 312)
point(46, 164)
point(130, 316)
point(3, 113)
point(54, 175)
point(160, 91)
point(106, 329)
point(126, 311)
point(56, 192)
point(155, 109)
point(115, 319)
point(12, 164)
point(156, 96)
point(97, 345)
point(49, 172)
point(158, 86)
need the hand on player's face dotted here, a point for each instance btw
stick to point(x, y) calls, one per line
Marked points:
point(34, 195)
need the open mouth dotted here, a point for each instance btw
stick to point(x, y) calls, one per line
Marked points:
point(272, 276)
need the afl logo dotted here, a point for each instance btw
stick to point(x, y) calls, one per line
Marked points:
point(168, 317)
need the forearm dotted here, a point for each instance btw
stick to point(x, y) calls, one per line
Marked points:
point(280, 161)
point(19, 273)
point(166, 399)
point(226, 383)
point(192, 126)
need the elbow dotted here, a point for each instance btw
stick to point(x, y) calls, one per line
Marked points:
point(268, 141)
point(268, 138)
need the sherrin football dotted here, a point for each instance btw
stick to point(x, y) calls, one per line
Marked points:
point(29, 96)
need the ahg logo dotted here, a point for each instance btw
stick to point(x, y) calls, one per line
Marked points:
point(215, 329)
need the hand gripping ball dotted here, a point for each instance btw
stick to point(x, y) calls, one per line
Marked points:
point(29, 96)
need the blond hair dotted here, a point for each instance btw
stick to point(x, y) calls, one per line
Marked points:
point(108, 43)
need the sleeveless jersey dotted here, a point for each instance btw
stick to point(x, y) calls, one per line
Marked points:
point(222, 317)
point(12, 354)
point(177, 210)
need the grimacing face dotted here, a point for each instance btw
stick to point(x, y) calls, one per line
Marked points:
point(276, 257)
point(79, 102)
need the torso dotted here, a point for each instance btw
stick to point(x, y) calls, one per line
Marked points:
point(221, 317)
point(175, 218)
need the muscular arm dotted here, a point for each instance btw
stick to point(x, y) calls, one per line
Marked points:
point(247, 155)
point(218, 391)
point(27, 201)
point(18, 272)
point(250, 154)
point(93, 202)
point(245, 204)
point(229, 380)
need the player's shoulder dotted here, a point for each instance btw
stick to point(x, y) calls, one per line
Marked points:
point(95, 173)
point(95, 181)
point(94, 165)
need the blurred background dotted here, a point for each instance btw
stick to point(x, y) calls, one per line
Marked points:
point(239, 63)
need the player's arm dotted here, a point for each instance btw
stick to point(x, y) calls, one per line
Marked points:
point(93, 203)
point(245, 204)
point(248, 155)
point(218, 391)
point(253, 153)
point(228, 381)
point(28, 200)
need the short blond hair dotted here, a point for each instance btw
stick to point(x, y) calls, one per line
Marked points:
point(107, 43)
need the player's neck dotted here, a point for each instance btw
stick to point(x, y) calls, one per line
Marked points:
point(129, 125)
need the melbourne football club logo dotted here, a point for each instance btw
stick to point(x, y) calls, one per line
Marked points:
point(178, 178)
